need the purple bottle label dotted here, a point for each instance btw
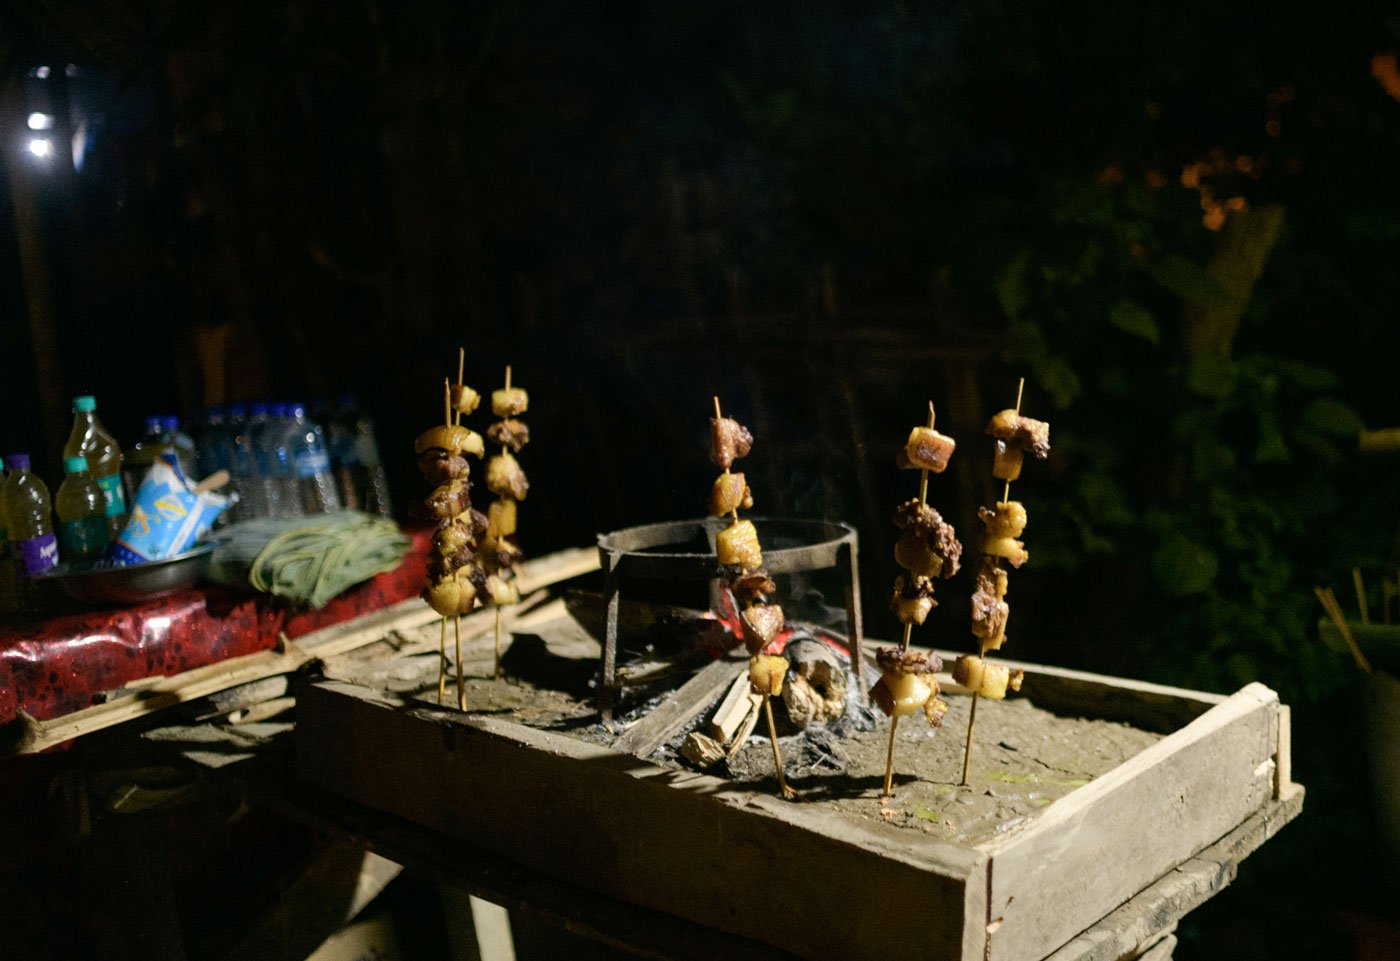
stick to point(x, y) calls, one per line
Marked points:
point(36, 555)
point(112, 489)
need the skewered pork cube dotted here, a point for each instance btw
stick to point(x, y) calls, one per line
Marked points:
point(439, 467)
point(729, 441)
point(509, 402)
point(443, 564)
point(498, 554)
point(900, 695)
point(452, 535)
point(1007, 520)
point(892, 660)
point(917, 514)
point(990, 611)
point(505, 478)
point(748, 588)
point(926, 449)
point(500, 518)
point(933, 553)
point(762, 623)
point(913, 599)
point(1023, 433)
point(738, 545)
point(501, 591)
point(729, 493)
point(464, 399)
point(1008, 547)
point(766, 673)
point(988, 680)
point(510, 433)
point(454, 440)
point(449, 500)
point(453, 594)
point(1007, 463)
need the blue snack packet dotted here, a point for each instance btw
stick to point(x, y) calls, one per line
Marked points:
point(167, 516)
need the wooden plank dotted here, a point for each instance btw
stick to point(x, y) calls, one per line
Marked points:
point(733, 712)
point(666, 840)
point(1068, 866)
point(1182, 890)
point(690, 699)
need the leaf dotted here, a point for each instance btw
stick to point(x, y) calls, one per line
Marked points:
point(1183, 566)
point(1210, 376)
point(1328, 415)
point(1134, 319)
point(1011, 286)
point(1211, 457)
point(1059, 380)
point(1105, 499)
point(1189, 281)
point(1271, 449)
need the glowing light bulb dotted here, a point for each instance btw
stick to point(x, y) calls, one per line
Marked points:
point(40, 121)
point(41, 146)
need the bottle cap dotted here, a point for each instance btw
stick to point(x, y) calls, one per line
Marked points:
point(84, 404)
point(296, 409)
point(74, 465)
point(18, 462)
point(170, 422)
point(2, 463)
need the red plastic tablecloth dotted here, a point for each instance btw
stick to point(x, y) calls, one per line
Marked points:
point(56, 666)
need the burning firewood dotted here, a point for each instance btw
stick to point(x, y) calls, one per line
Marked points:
point(927, 548)
point(1016, 435)
point(737, 546)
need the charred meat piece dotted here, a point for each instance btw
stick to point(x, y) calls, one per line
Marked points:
point(916, 514)
point(894, 661)
point(510, 433)
point(1022, 433)
point(737, 545)
point(748, 588)
point(926, 449)
point(729, 441)
point(449, 500)
point(766, 673)
point(505, 478)
point(464, 399)
point(929, 551)
point(1007, 520)
point(729, 493)
point(762, 624)
point(439, 466)
point(913, 599)
point(498, 554)
point(989, 608)
point(454, 440)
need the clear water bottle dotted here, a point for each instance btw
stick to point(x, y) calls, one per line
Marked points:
point(269, 459)
point(211, 445)
point(182, 444)
point(81, 507)
point(243, 468)
point(306, 447)
point(24, 501)
point(137, 459)
point(355, 460)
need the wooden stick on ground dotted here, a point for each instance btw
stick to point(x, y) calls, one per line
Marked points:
point(461, 682)
point(1334, 610)
point(1360, 595)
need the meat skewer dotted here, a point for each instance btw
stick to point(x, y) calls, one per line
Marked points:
point(455, 576)
point(737, 546)
point(927, 548)
point(1015, 436)
point(500, 555)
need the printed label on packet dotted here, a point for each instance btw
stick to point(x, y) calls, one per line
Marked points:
point(167, 517)
point(36, 555)
point(112, 489)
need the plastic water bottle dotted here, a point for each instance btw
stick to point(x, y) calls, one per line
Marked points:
point(211, 444)
point(355, 459)
point(306, 448)
point(140, 456)
point(29, 520)
point(242, 466)
point(82, 513)
point(182, 444)
point(263, 431)
point(104, 455)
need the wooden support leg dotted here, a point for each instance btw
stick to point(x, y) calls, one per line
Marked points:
point(853, 620)
point(607, 683)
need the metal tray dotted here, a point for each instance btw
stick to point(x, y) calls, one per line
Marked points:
point(103, 582)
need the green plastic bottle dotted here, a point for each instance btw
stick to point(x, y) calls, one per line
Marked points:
point(104, 456)
point(83, 528)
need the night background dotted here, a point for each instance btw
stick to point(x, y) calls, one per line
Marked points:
point(1180, 222)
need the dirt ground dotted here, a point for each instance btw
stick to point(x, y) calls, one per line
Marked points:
point(1024, 757)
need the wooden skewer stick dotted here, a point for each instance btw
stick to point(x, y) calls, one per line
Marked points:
point(461, 362)
point(442, 661)
point(908, 628)
point(1334, 610)
point(982, 648)
point(461, 682)
point(788, 792)
point(1361, 595)
point(447, 402)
